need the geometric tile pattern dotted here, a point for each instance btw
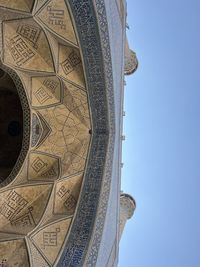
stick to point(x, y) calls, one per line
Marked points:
point(56, 18)
point(37, 209)
point(46, 91)
point(27, 46)
point(66, 195)
point(92, 25)
point(70, 66)
point(69, 138)
point(43, 167)
point(49, 239)
point(36, 130)
point(40, 130)
point(22, 208)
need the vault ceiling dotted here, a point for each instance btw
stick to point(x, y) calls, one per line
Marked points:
point(36, 209)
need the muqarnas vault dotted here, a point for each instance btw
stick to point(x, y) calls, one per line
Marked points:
point(62, 67)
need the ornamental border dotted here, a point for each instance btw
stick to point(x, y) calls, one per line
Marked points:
point(92, 31)
point(26, 124)
point(91, 258)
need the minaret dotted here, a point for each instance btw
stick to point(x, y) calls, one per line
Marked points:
point(127, 208)
point(130, 61)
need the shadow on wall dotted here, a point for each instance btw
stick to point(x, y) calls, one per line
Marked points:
point(11, 125)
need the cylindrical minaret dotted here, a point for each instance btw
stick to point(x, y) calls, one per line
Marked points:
point(130, 61)
point(127, 208)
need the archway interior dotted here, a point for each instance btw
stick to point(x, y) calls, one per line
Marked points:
point(11, 125)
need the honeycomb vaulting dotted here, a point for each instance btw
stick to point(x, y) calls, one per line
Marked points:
point(39, 44)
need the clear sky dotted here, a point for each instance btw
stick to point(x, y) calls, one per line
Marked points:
point(161, 153)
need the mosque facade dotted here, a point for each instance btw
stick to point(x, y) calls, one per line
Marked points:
point(62, 67)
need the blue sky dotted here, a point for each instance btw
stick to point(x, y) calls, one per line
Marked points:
point(161, 153)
